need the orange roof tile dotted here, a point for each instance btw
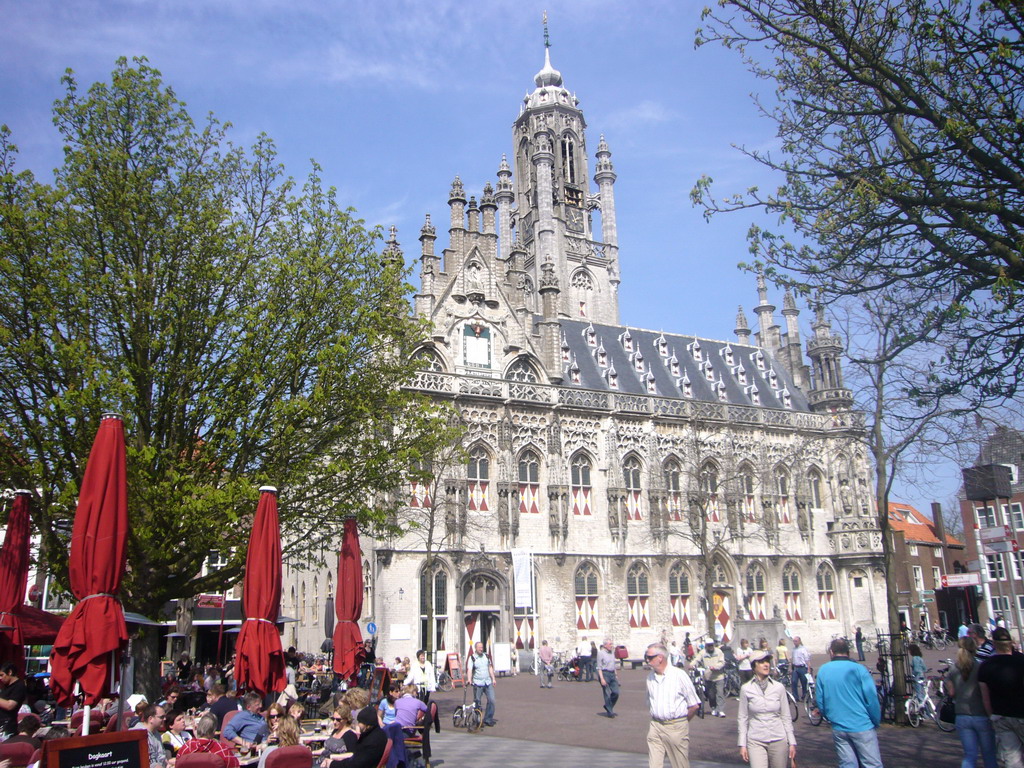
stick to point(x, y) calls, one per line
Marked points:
point(916, 528)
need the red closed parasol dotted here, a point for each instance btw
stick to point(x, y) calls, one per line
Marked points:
point(13, 576)
point(348, 603)
point(90, 637)
point(260, 661)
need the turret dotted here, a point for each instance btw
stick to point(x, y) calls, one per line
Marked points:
point(742, 329)
point(768, 332)
point(488, 211)
point(792, 354)
point(504, 197)
point(825, 350)
point(457, 228)
point(429, 268)
point(550, 326)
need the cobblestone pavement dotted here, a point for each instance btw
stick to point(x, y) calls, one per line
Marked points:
point(562, 727)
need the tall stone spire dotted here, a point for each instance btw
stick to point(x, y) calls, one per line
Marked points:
point(768, 332)
point(825, 349)
point(742, 329)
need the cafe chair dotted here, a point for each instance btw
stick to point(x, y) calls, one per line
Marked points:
point(387, 754)
point(200, 760)
point(228, 717)
point(19, 753)
point(419, 742)
point(290, 757)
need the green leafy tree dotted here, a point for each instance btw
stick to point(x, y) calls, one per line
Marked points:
point(250, 330)
point(900, 149)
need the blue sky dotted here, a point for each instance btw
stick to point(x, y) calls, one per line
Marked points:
point(393, 98)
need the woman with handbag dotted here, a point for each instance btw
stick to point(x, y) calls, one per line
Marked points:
point(766, 736)
point(972, 723)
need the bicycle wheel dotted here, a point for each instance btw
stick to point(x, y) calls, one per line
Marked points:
point(913, 712)
point(942, 724)
point(474, 720)
point(814, 716)
point(700, 709)
point(868, 646)
point(794, 709)
point(444, 682)
point(458, 717)
point(939, 643)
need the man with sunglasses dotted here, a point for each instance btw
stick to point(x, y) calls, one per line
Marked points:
point(673, 703)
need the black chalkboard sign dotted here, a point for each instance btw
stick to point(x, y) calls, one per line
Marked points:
point(122, 749)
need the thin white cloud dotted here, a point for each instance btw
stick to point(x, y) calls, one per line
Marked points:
point(644, 114)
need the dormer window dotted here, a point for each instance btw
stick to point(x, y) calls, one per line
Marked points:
point(709, 370)
point(612, 377)
point(673, 365)
point(727, 354)
point(720, 388)
point(661, 344)
point(695, 351)
point(566, 353)
point(638, 362)
point(753, 394)
point(627, 341)
point(740, 373)
point(574, 373)
point(590, 334)
point(787, 401)
point(773, 378)
point(685, 386)
point(758, 358)
point(652, 389)
point(602, 356)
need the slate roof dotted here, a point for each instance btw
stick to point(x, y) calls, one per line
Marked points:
point(576, 343)
point(916, 528)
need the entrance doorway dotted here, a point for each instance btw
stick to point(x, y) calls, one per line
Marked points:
point(481, 602)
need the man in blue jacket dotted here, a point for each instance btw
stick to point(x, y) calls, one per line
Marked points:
point(845, 692)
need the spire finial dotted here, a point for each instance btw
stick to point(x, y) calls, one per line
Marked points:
point(547, 38)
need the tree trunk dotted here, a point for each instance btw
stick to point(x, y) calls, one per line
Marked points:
point(146, 653)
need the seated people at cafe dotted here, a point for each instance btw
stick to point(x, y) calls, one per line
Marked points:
point(13, 693)
point(287, 736)
point(296, 710)
point(137, 722)
point(27, 727)
point(409, 708)
point(153, 716)
point(206, 740)
point(53, 733)
point(273, 716)
point(372, 742)
point(247, 727)
point(342, 739)
point(220, 704)
point(175, 737)
point(386, 708)
point(171, 699)
point(356, 698)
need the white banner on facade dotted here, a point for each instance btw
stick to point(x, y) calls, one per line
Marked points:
point(522, 562)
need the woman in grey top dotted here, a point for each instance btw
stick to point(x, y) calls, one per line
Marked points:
point(765, 730)
point(972, 723)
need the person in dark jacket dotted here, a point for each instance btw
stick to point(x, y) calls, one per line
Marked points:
point(372, 742)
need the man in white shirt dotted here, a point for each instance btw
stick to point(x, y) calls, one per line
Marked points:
point(673, 703)
point(801, 662)
point(586, 662)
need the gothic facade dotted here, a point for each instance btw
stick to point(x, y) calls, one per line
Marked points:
point(618, 481)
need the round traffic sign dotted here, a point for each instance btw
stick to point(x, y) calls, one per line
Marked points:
point(371, 628)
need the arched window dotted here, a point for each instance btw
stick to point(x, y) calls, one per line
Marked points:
point(330, 585)
point(747, 501)
point(756, 600)
point(316, 600)
point(582, 285)
point(302, 607)
point(679, 594)
point(569, 159)
point(529, 483)
point(440, 598)
point(785, 515)
point(673, 490)
point(709, 492)
point(429, 361)
point(580, 478)
point(791, 592)
point(419, 486)
point(476, 345)
point(719, 573)
point(826, 593)
point(587, 595)
point(521, 370)
point(478, 480)
point(631, 474)
point(638, 594)
point(814, 484)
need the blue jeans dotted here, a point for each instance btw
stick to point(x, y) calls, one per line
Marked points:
point(799, 676)
point(610, 689)
point(1009, 740)
point(975, 731)
point(857, 749)
point(487, 690)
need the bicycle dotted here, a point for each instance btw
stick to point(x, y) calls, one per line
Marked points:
point(731, 683)
point(468, 715)
point(697, 677)
point(920, 705)
point(444, 682)
point(814, 715)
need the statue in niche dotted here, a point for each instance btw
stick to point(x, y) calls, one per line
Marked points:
point(846, 496)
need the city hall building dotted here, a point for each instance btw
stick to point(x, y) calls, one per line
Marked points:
point(617, 481)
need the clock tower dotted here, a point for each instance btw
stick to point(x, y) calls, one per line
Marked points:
point(555, 213)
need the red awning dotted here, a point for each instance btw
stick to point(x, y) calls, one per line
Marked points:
point(348, 604)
